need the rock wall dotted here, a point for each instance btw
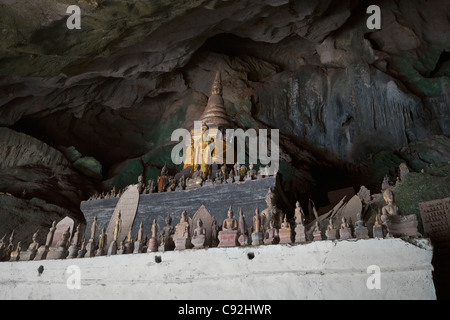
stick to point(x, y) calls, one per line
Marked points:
point(344, 97)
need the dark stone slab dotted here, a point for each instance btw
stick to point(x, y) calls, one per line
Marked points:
point(217, 199)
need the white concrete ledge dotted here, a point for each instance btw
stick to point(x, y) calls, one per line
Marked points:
point(318, 270)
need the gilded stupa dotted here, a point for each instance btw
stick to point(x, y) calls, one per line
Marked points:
point(214, 119)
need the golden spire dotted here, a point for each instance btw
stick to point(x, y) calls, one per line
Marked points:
point(215, 114)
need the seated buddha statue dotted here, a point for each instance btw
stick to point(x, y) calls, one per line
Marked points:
point(199, 235)
point(229, 235)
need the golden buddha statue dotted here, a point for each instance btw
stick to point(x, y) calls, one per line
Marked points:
point(207, 145)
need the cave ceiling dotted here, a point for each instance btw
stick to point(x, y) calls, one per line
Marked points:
point(94, 107)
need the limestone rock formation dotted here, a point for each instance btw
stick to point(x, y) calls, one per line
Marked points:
point(84, 110)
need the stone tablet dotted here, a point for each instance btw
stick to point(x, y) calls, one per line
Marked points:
point(207, 219)
point(61, 227)
point(436, 219)
point(127, 206)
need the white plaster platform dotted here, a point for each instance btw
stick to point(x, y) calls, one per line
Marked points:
point(317, 270)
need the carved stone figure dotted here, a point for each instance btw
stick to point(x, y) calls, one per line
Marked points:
point(94, 228)
point(163, 179)
point(403, 171)
point(272, 212)
point(285, 232)
point(102, 240)
point(385, 184)
point(224, 170)
point(2, 247)
point(345, 232)
point(15, 255)
point(74, 246)
point(299, 215)
point(9, 247)
point(182, 236)
point(127, 243)
point(112, 250)
point(139, 243)
point(317, 233)
point(167, 233)
point(82, 251)
point(153, 241)
point(30, 253)
point(43, 250)
point(60, 251)
point(378, 228)
point(90, 247)
point(237, 173)
point(396, 224)
point(214, 233)
point(141, 184)
point(331, 231)
point(243, 237)
point(259, 175)
point(228, 237)
point(271, 236)
point(257, 235)
point(251, 173)
point(182, 183)
point(199, 235)
point(361, 231)
point(390, 208)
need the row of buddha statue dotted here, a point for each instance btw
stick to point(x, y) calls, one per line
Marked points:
point(167, 183)
point(271, 226)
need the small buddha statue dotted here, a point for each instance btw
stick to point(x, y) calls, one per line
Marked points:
point(139, 243)
point(272, 212)
point(102, 240)
point(74, 246)
point(15, 255)
point(385, 184)
point(230, 224)
point(199, 235)
point(299, 215)
point(378, 231)
point(228, 237)
point(237, 169)
point(331, 231)
point(182, 237)
point(390, 208)
point(127, 243)
point(224, 170)
point(285, 232)
point(243, 237)
point(34, 244)
point(153, 242)
point(361, 231)
point(251, 173)
point(167, 234)
point(44, 249)
point(117, 227)
point(317, 233)
point(345, 232)
point(396, 224)
point(214, 233)
point(2, 247)
point(60, 250)
point(257, 235)
point(141, 184)
point(271, 236)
